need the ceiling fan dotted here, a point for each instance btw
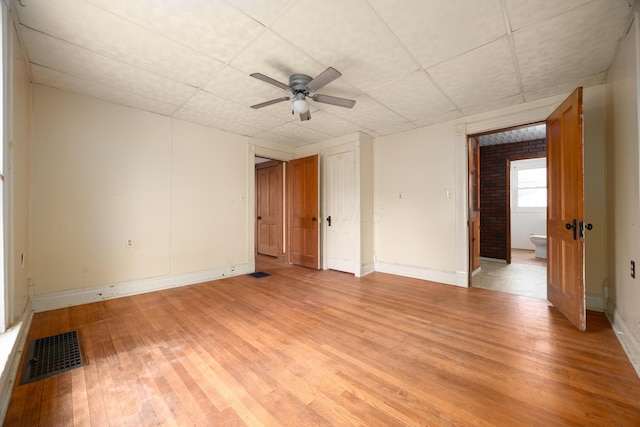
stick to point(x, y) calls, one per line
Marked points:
point(301, 86)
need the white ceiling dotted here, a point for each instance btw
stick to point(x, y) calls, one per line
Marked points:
point(407, 64)
point(530, 133)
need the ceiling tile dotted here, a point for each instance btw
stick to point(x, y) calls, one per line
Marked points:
point(275, 57)
point(526, 12)
point(156, 55)
point(514, 135)
point(573, 45)
point(368, 113)
point(278, 139)
point(220, 122)
point(441, 118)
point(480, 76)
point(567, 87)
point(93, 28)
point(437, 30)
point(348, 36)
point(222, 110)
point(414, 97)
point(56, 79)
point(300, 134)
point(390, 130)
point(73, 60)
point(330, 124)
point(212, 27)
point(262, 11)
point(493, 104)
point(241, 88)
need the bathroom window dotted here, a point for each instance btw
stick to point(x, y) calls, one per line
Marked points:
point(529, 184)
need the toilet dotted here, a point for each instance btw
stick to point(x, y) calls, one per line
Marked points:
point(540, 241)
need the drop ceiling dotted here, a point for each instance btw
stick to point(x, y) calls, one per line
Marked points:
point(407, 64)
point(529, 133)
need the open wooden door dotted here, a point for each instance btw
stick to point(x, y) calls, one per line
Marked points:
point(302, 179)
point(565, 210)
point(474, 205)
point(269, 208)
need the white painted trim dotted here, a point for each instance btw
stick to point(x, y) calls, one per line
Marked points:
point(55, 300)
point(594, 302)
point(462, 279)
point(529, 112)
point(439, 276)
point(251, 204)
point(11, 348)
point(365, 269)
point(271, 150)
point(499, 261)
point(630, 343)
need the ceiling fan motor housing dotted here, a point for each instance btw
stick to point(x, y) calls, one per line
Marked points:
point(298, 83)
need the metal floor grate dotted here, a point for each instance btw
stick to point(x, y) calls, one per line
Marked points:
point(53, 355)
point(259, 274)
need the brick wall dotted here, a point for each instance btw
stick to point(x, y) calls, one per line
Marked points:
point(494, 180)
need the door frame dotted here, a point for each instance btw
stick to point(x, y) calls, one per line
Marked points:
point(532, 112)
point(283, 198)
point(268, 153)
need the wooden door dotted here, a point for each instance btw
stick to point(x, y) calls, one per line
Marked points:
point(341, 210)
point(474, 205)
point(565, 210)
point(302, 179)
point(269, 208)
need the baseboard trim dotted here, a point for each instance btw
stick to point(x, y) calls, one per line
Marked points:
point(366, 269)
point(13, 340)
point(594, 302)
point(629, 341)
point(440, 276)
point(56, 300)
point(498, 260)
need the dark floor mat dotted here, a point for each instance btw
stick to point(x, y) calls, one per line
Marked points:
point(259, 274)
point(53, 355)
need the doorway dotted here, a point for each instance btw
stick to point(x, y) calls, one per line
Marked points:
point(269, 207)
point(507, 258)
point(286, 210)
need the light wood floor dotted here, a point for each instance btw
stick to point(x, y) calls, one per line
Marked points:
point(305, 347)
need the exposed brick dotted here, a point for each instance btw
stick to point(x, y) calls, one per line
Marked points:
point(493, 192)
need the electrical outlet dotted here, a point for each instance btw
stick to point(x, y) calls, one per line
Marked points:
point(130, 243)
point(633, 269)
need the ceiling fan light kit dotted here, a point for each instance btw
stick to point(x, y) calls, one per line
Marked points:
point(301, 86)
point(300, 104)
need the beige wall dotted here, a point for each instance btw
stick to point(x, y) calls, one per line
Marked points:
point(366, 201)
point(103, 174)
point(17, 176)
point(594, 189)
point(418, 230)
point(414, 221)
point(623, 175)
point(209, 201)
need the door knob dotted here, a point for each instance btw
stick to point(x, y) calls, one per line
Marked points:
point(582, 227)
point(569, 226)
point(329, 220)
point(259, 218)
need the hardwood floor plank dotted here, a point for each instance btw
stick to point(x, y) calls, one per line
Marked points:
point(305, 347)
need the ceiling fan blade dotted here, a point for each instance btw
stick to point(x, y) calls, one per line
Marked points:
point(273, 101)
point(334, 100)
point(269, 80)
point(305, 116)
point(323, 79)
